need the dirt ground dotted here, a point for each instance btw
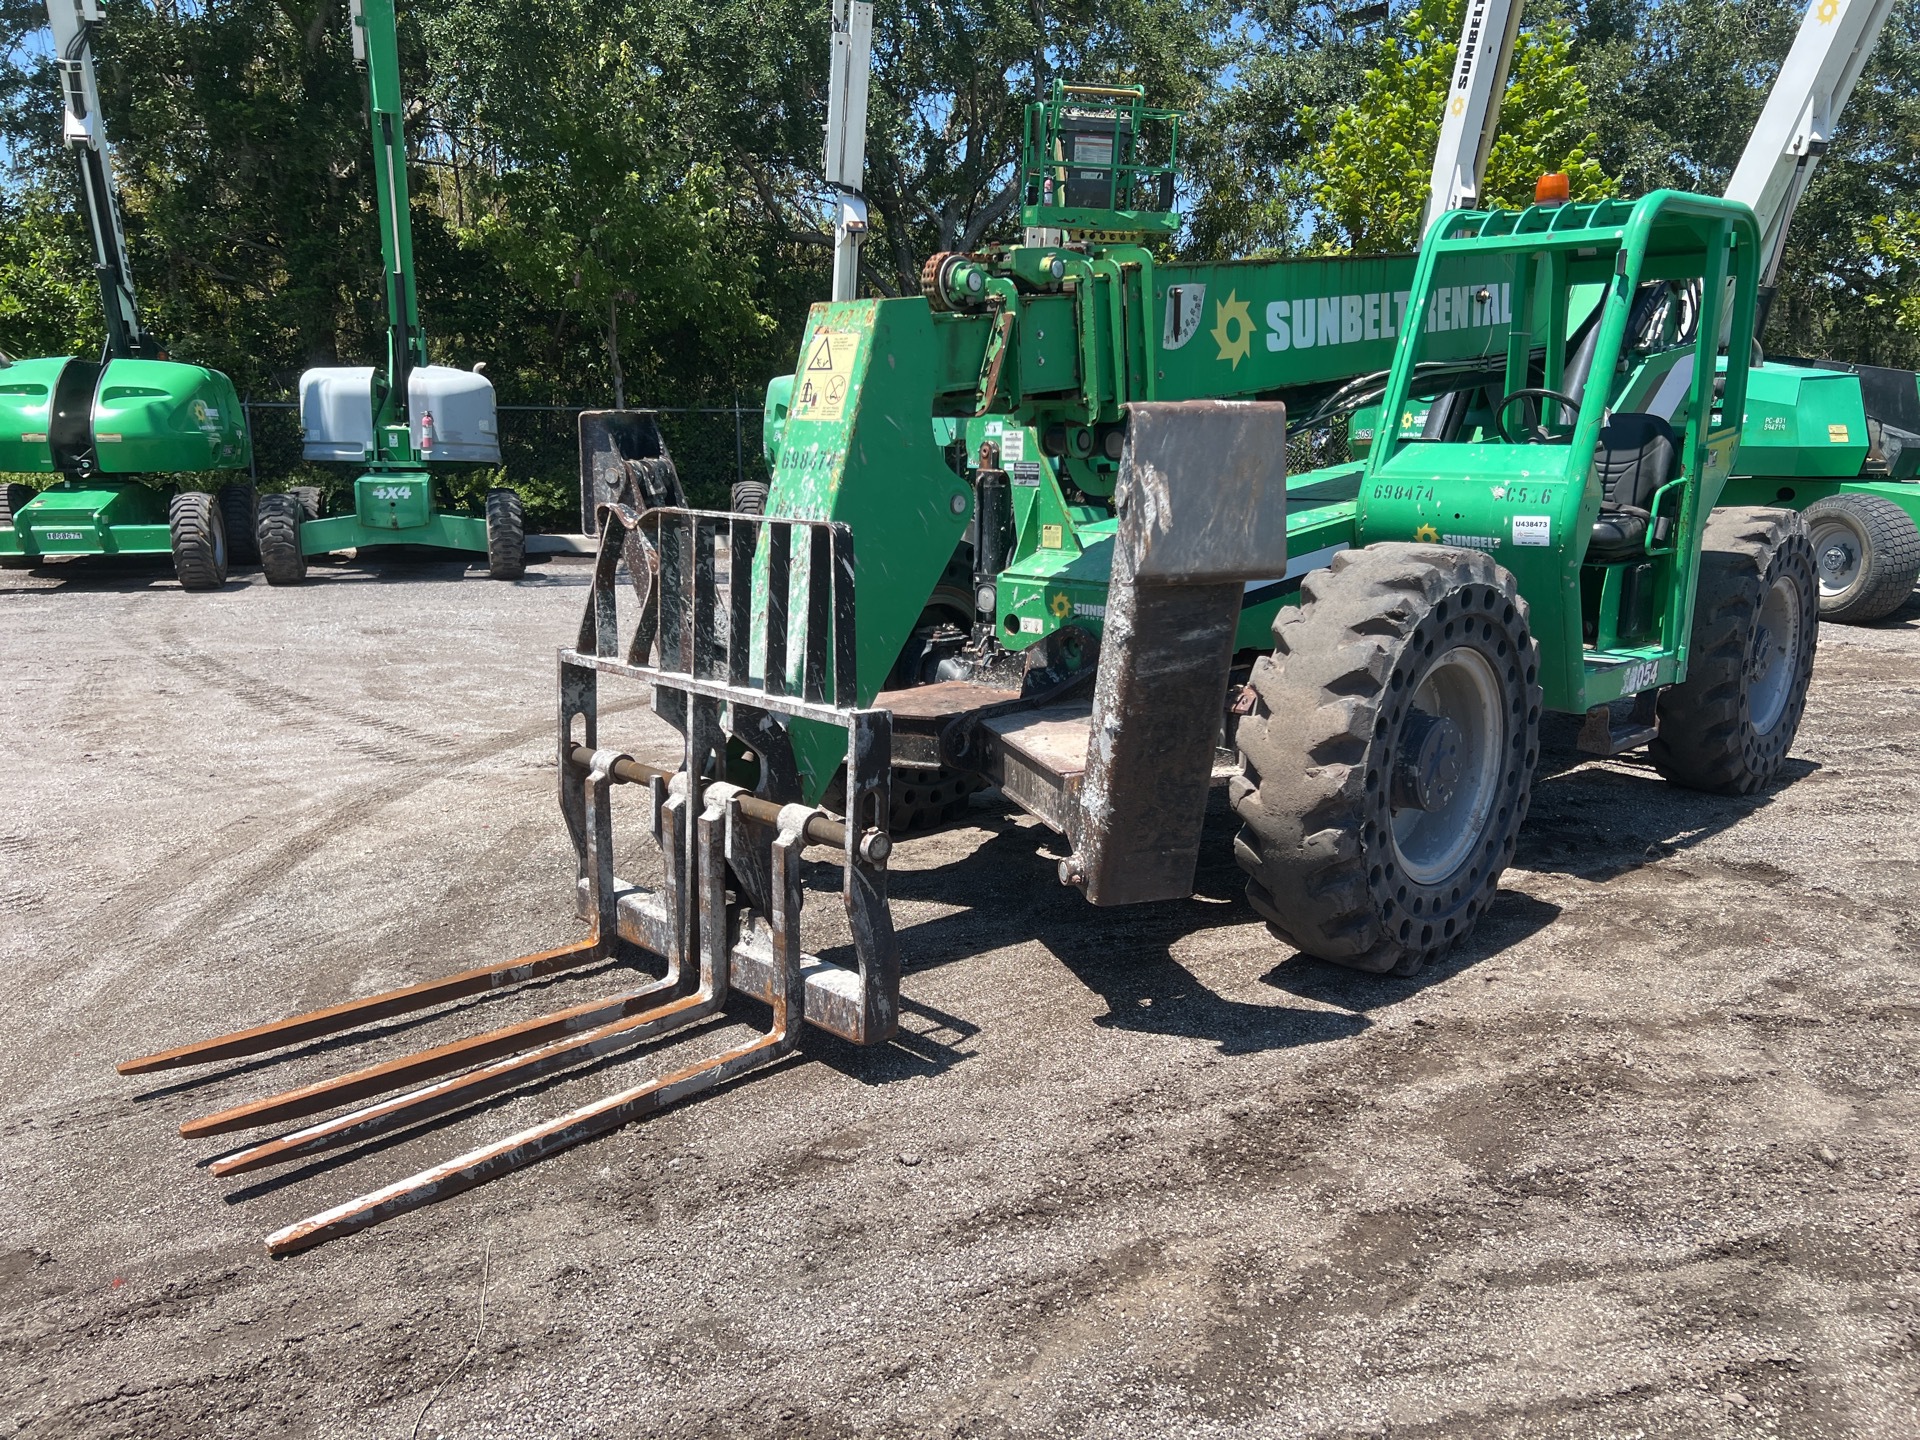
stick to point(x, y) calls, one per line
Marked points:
point(1639, 1160)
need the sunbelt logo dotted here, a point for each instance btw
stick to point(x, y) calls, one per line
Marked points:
point(1323, 320)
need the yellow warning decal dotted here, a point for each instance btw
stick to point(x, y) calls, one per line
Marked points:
point(1050, 537)
point(826, 377)
point(1837, 434)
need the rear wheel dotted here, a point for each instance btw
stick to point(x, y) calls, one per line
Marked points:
point(199, 540)
point(750, 498)
point(506, 535)
point(240, 517)
point(309, 498)
point(1866, 553)
point(1388, 760)
point(14, 499)
point(281, 558)
point(1728, 726)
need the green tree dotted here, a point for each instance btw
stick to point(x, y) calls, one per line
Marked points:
point(1247, 188)
point(1370, 177)
point(48, 302)
point(1681, 85)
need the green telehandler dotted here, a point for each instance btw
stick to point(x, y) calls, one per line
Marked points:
point(122, 432)
point(394, 420)
point(1377, 640)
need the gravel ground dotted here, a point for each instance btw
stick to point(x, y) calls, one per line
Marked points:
point(1639, 1160)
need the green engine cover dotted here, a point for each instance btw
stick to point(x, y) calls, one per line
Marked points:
point(130, 417)
point(1811, 424)
point(26, 401)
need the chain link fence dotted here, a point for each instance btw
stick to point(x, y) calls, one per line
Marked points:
point(714, 447)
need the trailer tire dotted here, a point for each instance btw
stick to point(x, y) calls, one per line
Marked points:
point(1374, 830)
point(240, 515)
point(281, 558)
point(199, 539)
point(750, 498)
point(13, 499)
point(1866, 556)
point(1727, 728)
point(506, 535)
point(309, 498)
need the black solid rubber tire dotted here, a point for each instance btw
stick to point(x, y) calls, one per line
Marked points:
point(506, 535)
point(1889, 556)
point(278, 531)
point(199, 538)
point(240, 514)
point(1317, 752)
point(750, 498)
point(13, 499)
point(309, 498)
point(1708, 739)
point(919, 798)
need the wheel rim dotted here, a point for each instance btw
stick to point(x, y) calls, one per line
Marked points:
point(1458, 720)
point(1776, 645)
point(1839, 555)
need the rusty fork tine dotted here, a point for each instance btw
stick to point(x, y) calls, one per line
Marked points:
point(385, 1005)
point(710, 869)
point(416, 1105)
point(424, 1065)
point(476, 1167)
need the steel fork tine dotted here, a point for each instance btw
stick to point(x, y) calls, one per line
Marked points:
point(423, 1064)
point(354, 1013)
point(478, 1166)
point(504, 1074)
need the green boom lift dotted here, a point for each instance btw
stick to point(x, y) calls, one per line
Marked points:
point(1378, 640)
point(394, 420)
point(1839, 442)
point(119, 430)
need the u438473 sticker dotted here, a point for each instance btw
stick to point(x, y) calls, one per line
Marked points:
point(1533, 530)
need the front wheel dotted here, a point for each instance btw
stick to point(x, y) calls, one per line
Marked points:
point(506, 535)
point(1728, 726)
point(1866, 552)
point(1388, 760)
point(199, 540)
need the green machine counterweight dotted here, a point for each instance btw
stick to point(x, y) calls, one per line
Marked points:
point(396, 419)
point(122, 432)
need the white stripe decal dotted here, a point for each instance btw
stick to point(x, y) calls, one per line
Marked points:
point(1300, 565)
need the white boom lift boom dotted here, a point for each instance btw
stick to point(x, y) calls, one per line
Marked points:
point(86, 134)
point(1473, 106)
point(1835, 40)
point(845, 161)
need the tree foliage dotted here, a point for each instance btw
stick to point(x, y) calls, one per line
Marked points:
point(625, 193)
point(1370, 177)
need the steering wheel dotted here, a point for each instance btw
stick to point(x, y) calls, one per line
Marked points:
point(1540, 435)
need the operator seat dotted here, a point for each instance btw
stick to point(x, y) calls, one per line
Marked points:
point(1637, 454)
